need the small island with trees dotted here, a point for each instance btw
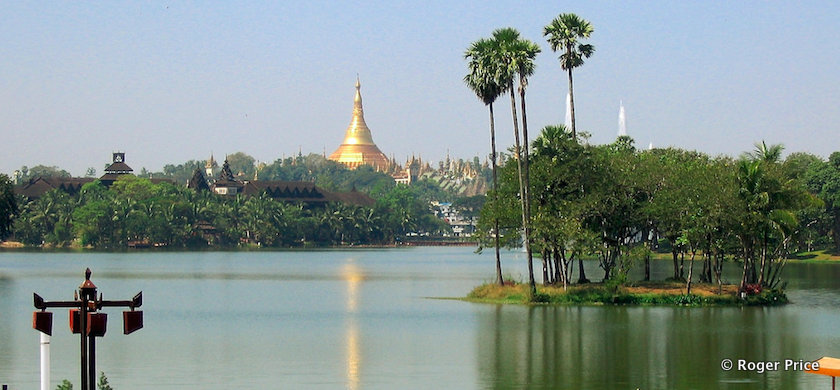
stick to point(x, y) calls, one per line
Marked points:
point(566, 199)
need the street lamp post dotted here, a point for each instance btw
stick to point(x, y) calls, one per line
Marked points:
point(90, 324)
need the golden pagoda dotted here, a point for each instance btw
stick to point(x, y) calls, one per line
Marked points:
point(358, 147)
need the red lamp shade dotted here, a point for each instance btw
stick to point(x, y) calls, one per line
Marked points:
point(42, 322)
point(75, 321)
point(97, 324)
point(132, 321)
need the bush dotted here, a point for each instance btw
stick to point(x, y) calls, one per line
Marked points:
point(64, 385)
point(540, 298)
point(767, 297)
point(753, 289)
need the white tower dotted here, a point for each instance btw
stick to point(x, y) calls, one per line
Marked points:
point(568, 122)
point(622, 120)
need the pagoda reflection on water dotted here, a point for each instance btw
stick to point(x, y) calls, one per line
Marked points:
point(358, 147)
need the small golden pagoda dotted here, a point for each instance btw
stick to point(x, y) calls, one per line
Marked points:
point(358, 147)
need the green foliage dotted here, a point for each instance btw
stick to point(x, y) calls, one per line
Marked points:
point(136, 211)
point(41, 171)
point(103, 382)
point(64, 385)
point(101, 385)
point(614, 285)
point(327, 174)
point(767, 297)
point(180, 173)
point(616, 202)
point(539, 297)
point(8, 206)
point(606, 295)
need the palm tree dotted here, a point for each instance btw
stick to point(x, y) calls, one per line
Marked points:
point(515, 56)
point(564, 33)
point(481, 79)
point(768, 154)
point(524, 52)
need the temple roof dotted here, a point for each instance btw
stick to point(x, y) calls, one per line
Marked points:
point(358, 147)
point(118, 166)
point(226, 175)
point(36, 187)
point(197, 182)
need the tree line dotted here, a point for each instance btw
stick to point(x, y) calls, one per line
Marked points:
point(620, 204)
point(134, 210)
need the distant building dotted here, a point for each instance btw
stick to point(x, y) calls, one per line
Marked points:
point(461, 225)
point(227, 184)
point(117, 168)
point(38, 186)
point(211, 168)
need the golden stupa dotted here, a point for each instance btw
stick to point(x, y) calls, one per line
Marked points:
point(358, 147)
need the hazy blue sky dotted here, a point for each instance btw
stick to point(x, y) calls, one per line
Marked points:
point(167, 82)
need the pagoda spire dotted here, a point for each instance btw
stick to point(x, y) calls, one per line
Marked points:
point(358, 132)
point(358, 147)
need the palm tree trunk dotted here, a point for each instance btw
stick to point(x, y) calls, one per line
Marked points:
point(517, 150)
point(763, 258)
point(571, 97)
point(526, 198)
point(499, 278)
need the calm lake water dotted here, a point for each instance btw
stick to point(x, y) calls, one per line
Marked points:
point(362, 319)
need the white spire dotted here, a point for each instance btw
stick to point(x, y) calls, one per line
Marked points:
point(568, 121)
point(622, 120)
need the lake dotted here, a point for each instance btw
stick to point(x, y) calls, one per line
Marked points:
point(363, 319)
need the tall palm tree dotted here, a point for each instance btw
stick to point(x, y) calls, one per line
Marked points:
point(481, 79)
point(564, 33)
point(524, 52)
point(515, 57)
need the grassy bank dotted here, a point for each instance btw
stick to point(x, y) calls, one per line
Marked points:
point(640, 293)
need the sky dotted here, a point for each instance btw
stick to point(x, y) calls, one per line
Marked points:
point(168, 82)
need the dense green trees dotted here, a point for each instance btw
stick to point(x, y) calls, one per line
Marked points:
point(8, 206)
point(135, 211)
point(618, 204)
point(25, 173)
point(822, 178)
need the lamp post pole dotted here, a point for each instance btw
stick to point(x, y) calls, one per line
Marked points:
point(45, 361)
point(84, 292)
point(89, 323)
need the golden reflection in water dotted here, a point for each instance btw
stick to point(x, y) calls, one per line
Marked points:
point(352, 274)
point(353, 356)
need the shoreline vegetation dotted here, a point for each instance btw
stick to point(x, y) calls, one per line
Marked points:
point(654, 293)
